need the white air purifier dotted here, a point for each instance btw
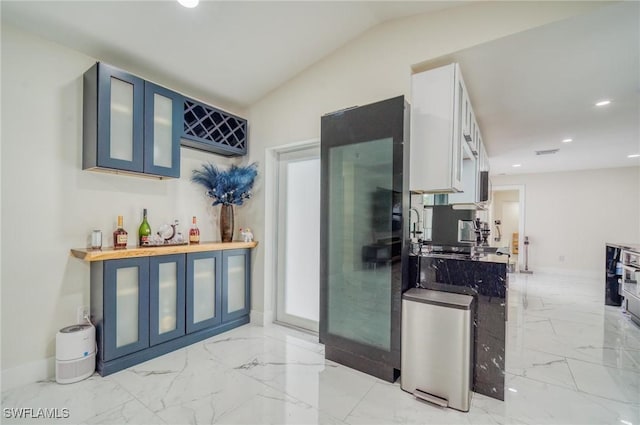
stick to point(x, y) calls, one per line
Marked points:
point(75, 353)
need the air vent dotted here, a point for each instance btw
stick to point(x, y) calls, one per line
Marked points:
point(547, 152)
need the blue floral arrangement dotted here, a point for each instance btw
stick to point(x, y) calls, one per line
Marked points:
point(230, 187)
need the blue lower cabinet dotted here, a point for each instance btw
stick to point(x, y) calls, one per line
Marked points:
point(148, 306)
point(125, 327)
point(235, 283)
point(204, 290)
point(166, 298)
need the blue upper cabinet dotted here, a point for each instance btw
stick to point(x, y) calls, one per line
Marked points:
point(129, 124)
point(112, 120)
point(162, 130)
point(210, 129)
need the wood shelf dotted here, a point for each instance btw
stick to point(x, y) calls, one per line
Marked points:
point(88, 254)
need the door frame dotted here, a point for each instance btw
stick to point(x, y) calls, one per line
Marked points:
point(272, 164)
point(521, 219)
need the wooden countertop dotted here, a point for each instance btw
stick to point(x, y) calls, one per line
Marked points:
point(88, 254)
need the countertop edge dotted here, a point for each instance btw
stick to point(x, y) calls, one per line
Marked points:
point(89, 255)
point(628, 246)
point(492, 258)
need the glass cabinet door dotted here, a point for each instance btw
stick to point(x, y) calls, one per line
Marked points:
point(361, 233)
point(235, 291)
point(162, 127)
point(120, 127)
point(166, 297)
point(203, 290)
point(126, 289)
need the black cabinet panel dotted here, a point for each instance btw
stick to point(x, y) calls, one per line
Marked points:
point(364, 200)
point(612, 277)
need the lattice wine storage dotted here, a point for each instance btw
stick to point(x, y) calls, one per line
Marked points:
point(210, 129)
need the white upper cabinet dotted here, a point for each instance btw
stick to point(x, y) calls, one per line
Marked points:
point(447, 154)
point(436, 130)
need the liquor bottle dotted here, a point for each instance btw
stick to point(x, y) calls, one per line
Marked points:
point(120, 236)
point(144, 231)
point(194, 232)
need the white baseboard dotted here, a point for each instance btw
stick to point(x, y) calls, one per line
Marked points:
point(261, 318)
point(39, 370)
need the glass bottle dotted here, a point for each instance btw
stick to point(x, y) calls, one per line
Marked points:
point(194, 232)
point(120, 235)
point(144, 231)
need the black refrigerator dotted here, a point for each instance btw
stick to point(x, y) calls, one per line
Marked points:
point(364, 235)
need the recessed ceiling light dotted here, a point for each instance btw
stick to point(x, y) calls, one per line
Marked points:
point(189, 3)
point(634, 155)
point(513, 390)
point(567, 140)
point(603, 102)
point(517, 165)
point(625, 422)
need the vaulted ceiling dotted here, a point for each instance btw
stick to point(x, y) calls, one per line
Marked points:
point(530, 90)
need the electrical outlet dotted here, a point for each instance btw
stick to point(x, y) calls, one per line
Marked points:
point(81, 312)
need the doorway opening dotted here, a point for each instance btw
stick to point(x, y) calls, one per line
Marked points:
point(298, 237)
point(507, 219)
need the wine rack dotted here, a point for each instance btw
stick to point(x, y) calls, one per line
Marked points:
point(210, 129)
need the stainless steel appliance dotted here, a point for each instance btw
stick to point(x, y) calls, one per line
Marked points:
point(437, 347)
point(466, 231)
point(630, 287)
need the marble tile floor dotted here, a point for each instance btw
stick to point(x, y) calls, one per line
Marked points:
point(570, 360)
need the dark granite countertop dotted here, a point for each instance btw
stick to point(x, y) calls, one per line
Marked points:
point(490, 258)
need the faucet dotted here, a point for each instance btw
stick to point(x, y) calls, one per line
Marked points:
point(414, 232)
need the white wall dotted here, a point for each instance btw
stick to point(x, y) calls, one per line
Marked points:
point(572, 214)
point(49, 204)
point(373, 67)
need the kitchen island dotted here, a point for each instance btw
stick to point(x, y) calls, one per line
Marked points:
point(486, 280)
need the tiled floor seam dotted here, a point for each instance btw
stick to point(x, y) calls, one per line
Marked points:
point(358, 403)
point(133, 398)
point(585, 361)
point(278, 390)
point(564, 387)
point(597, 395)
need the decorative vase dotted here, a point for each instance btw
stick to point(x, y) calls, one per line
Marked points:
point(226, 223)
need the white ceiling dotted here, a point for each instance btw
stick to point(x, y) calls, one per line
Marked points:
point(233, 51)
point(529, 90)
point(534, 89)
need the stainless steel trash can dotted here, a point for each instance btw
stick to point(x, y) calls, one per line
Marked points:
point(437, 347)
